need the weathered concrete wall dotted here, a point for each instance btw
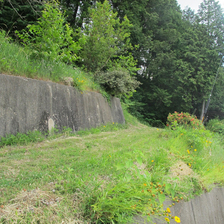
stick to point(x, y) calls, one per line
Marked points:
point(28, 104)
point(205, 209)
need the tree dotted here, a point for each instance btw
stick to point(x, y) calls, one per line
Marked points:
point(51, 37)
point(182, 61)
point(216, 108)
point(158, 95)
point(210, 20)
point(141, 30)
point(77, 11)
point(107, 41)
point(17, 14)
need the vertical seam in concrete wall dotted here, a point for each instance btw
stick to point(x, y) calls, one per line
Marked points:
point(192, 208)
point(51, 96)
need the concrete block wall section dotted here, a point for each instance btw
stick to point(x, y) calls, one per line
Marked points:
point(28, 104)
point(207, 208)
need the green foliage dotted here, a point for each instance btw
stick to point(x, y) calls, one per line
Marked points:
point(216, 125)
point(198, 139)
point(109, 174)
point(121, 202)
point(216, 107)
point(21, 139)
point(17, 14)
point(51, 38)
point(178, 71)
point(77, 11)
point(183, 119)
point(159, 93)
point(198, 153)
point(107, 40)
point(178, 53)
point(118, 82)
point(17, 61)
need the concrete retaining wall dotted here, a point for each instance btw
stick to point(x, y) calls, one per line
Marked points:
point(28, 104)
point(205, 209)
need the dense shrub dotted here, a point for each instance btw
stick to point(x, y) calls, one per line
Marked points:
point(118, 82)
point(183, 119)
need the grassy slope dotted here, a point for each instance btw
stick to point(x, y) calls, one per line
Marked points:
point(60, 180)
point(18, 61)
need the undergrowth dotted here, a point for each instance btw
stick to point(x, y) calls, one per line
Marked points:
point(16, 60)
point(21, 139)
point(216, 125)
point(37, 136)
point(109, 174)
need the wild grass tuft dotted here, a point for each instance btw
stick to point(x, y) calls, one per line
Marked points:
point(21, 139)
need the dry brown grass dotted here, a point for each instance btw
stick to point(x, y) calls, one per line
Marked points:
point(38, 206)
point(31, 205)
point(180, 169)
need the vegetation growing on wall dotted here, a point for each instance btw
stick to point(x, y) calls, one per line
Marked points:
point(16, 60)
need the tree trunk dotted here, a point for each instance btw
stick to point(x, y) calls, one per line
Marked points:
point(202, 110)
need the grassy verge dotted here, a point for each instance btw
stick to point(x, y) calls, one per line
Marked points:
point(16, 60)
point(107, 175)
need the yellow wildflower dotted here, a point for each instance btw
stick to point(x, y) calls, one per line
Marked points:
point(195, 150)
point(152, 161)
point(188, 151)
point(145, 185)
point(104, 126)
point(177, 219)
point(189, 164)
point(168, 210)
point(167, 219)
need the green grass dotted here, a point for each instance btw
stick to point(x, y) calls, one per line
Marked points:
point(16, 60)
point(107, 174)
